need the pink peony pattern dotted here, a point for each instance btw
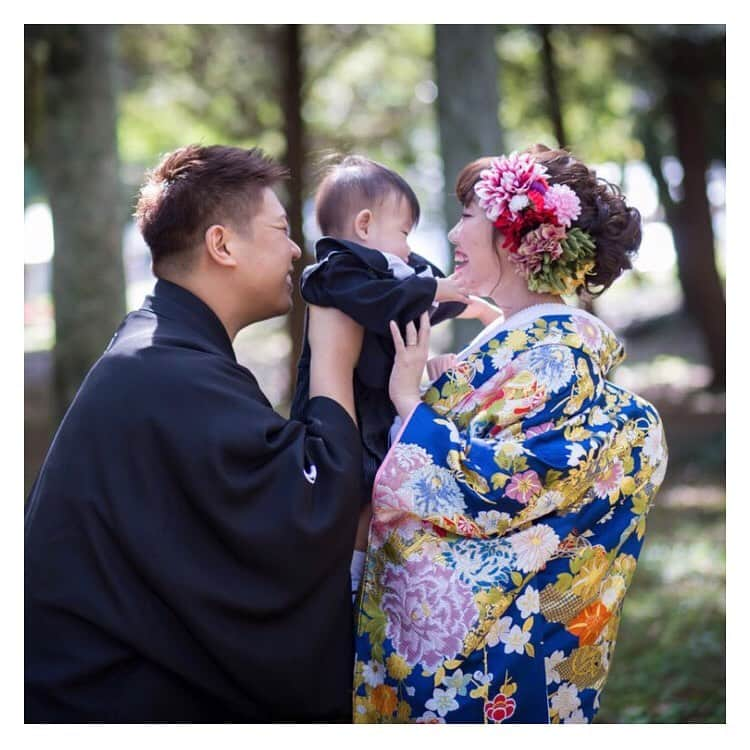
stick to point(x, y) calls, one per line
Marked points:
point(393, 510)
point(590, 333)
point(539, 429)
point(523, 487)
point(401, 463)
point(507, 177)
point(428, 611)
point(609, 480)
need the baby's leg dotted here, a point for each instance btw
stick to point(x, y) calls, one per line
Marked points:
point(360, 545)
point(363, 528)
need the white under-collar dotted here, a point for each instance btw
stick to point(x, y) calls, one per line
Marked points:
point(520, 318)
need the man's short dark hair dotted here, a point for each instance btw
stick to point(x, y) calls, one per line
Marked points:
point(353, 184)
point(195, 187)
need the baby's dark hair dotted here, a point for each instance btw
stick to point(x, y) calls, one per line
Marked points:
point(352, 184)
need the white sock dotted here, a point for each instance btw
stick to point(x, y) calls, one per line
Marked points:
point(356, 569)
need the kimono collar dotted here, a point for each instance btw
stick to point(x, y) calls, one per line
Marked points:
point(178, 304)
point(607, 358)
point(372, 258)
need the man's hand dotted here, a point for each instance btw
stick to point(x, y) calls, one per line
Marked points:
point(335, 345)
point(408, 366)
point(451, 289)
point(438, 365)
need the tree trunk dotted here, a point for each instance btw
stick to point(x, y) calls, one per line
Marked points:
point(652, 155)
point(552, 90)
point(468, 101)
point(554, 109)
point(702, 288)
point(80, 168)
point(294, 132)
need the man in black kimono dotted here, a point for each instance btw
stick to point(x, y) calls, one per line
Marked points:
point(186, 548)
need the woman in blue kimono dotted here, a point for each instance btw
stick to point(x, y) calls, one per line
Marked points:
point(510, 511)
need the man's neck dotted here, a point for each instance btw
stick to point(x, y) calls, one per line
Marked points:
point(204, 293)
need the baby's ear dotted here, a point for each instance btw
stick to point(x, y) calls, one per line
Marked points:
point(362, 223)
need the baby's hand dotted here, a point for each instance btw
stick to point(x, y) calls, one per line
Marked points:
point(451, 289)
point(438, 365)
point(481, 310)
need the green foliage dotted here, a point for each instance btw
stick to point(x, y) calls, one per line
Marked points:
point(215, 83)
point(597, 107)
point(204, 83)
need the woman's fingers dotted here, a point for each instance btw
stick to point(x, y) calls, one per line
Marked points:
point(419, 339)
point(411, 334)
point(398, 342)
point(424, 332)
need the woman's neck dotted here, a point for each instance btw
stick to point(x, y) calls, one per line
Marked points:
point(511, 301)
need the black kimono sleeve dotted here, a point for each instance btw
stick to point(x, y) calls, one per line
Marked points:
point(273, 511)
point(366, 296)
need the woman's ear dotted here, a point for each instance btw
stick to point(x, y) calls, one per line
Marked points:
point(215, 242)
point(498, 241)
point(362, 222)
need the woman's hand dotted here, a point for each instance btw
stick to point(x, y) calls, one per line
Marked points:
point(335, 345)
point(438, 365)
point(409, 364)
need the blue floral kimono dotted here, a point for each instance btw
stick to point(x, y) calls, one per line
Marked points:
point(507, 520)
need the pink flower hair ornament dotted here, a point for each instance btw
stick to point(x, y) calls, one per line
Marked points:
point(535, 219)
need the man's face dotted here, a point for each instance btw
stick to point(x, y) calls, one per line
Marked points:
point(266, 254)
point(390, 226)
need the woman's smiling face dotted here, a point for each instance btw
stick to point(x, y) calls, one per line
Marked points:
point(476, 258)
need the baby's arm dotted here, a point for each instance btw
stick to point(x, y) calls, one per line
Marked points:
point(481, 310)
point(450, 289)
point(372, 300)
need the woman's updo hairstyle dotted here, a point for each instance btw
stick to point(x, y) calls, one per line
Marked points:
point(614, 226)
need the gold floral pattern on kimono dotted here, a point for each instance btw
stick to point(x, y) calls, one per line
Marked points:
point(507, 521)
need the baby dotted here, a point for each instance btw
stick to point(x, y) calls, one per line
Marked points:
point(365, 269)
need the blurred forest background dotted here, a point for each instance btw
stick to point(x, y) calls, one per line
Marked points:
point(644, 104)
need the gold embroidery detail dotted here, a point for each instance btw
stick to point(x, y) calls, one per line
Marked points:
point(557, 606)
point(584, 667)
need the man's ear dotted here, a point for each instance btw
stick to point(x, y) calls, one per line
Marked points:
point(362, 223)
point(215, 241)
